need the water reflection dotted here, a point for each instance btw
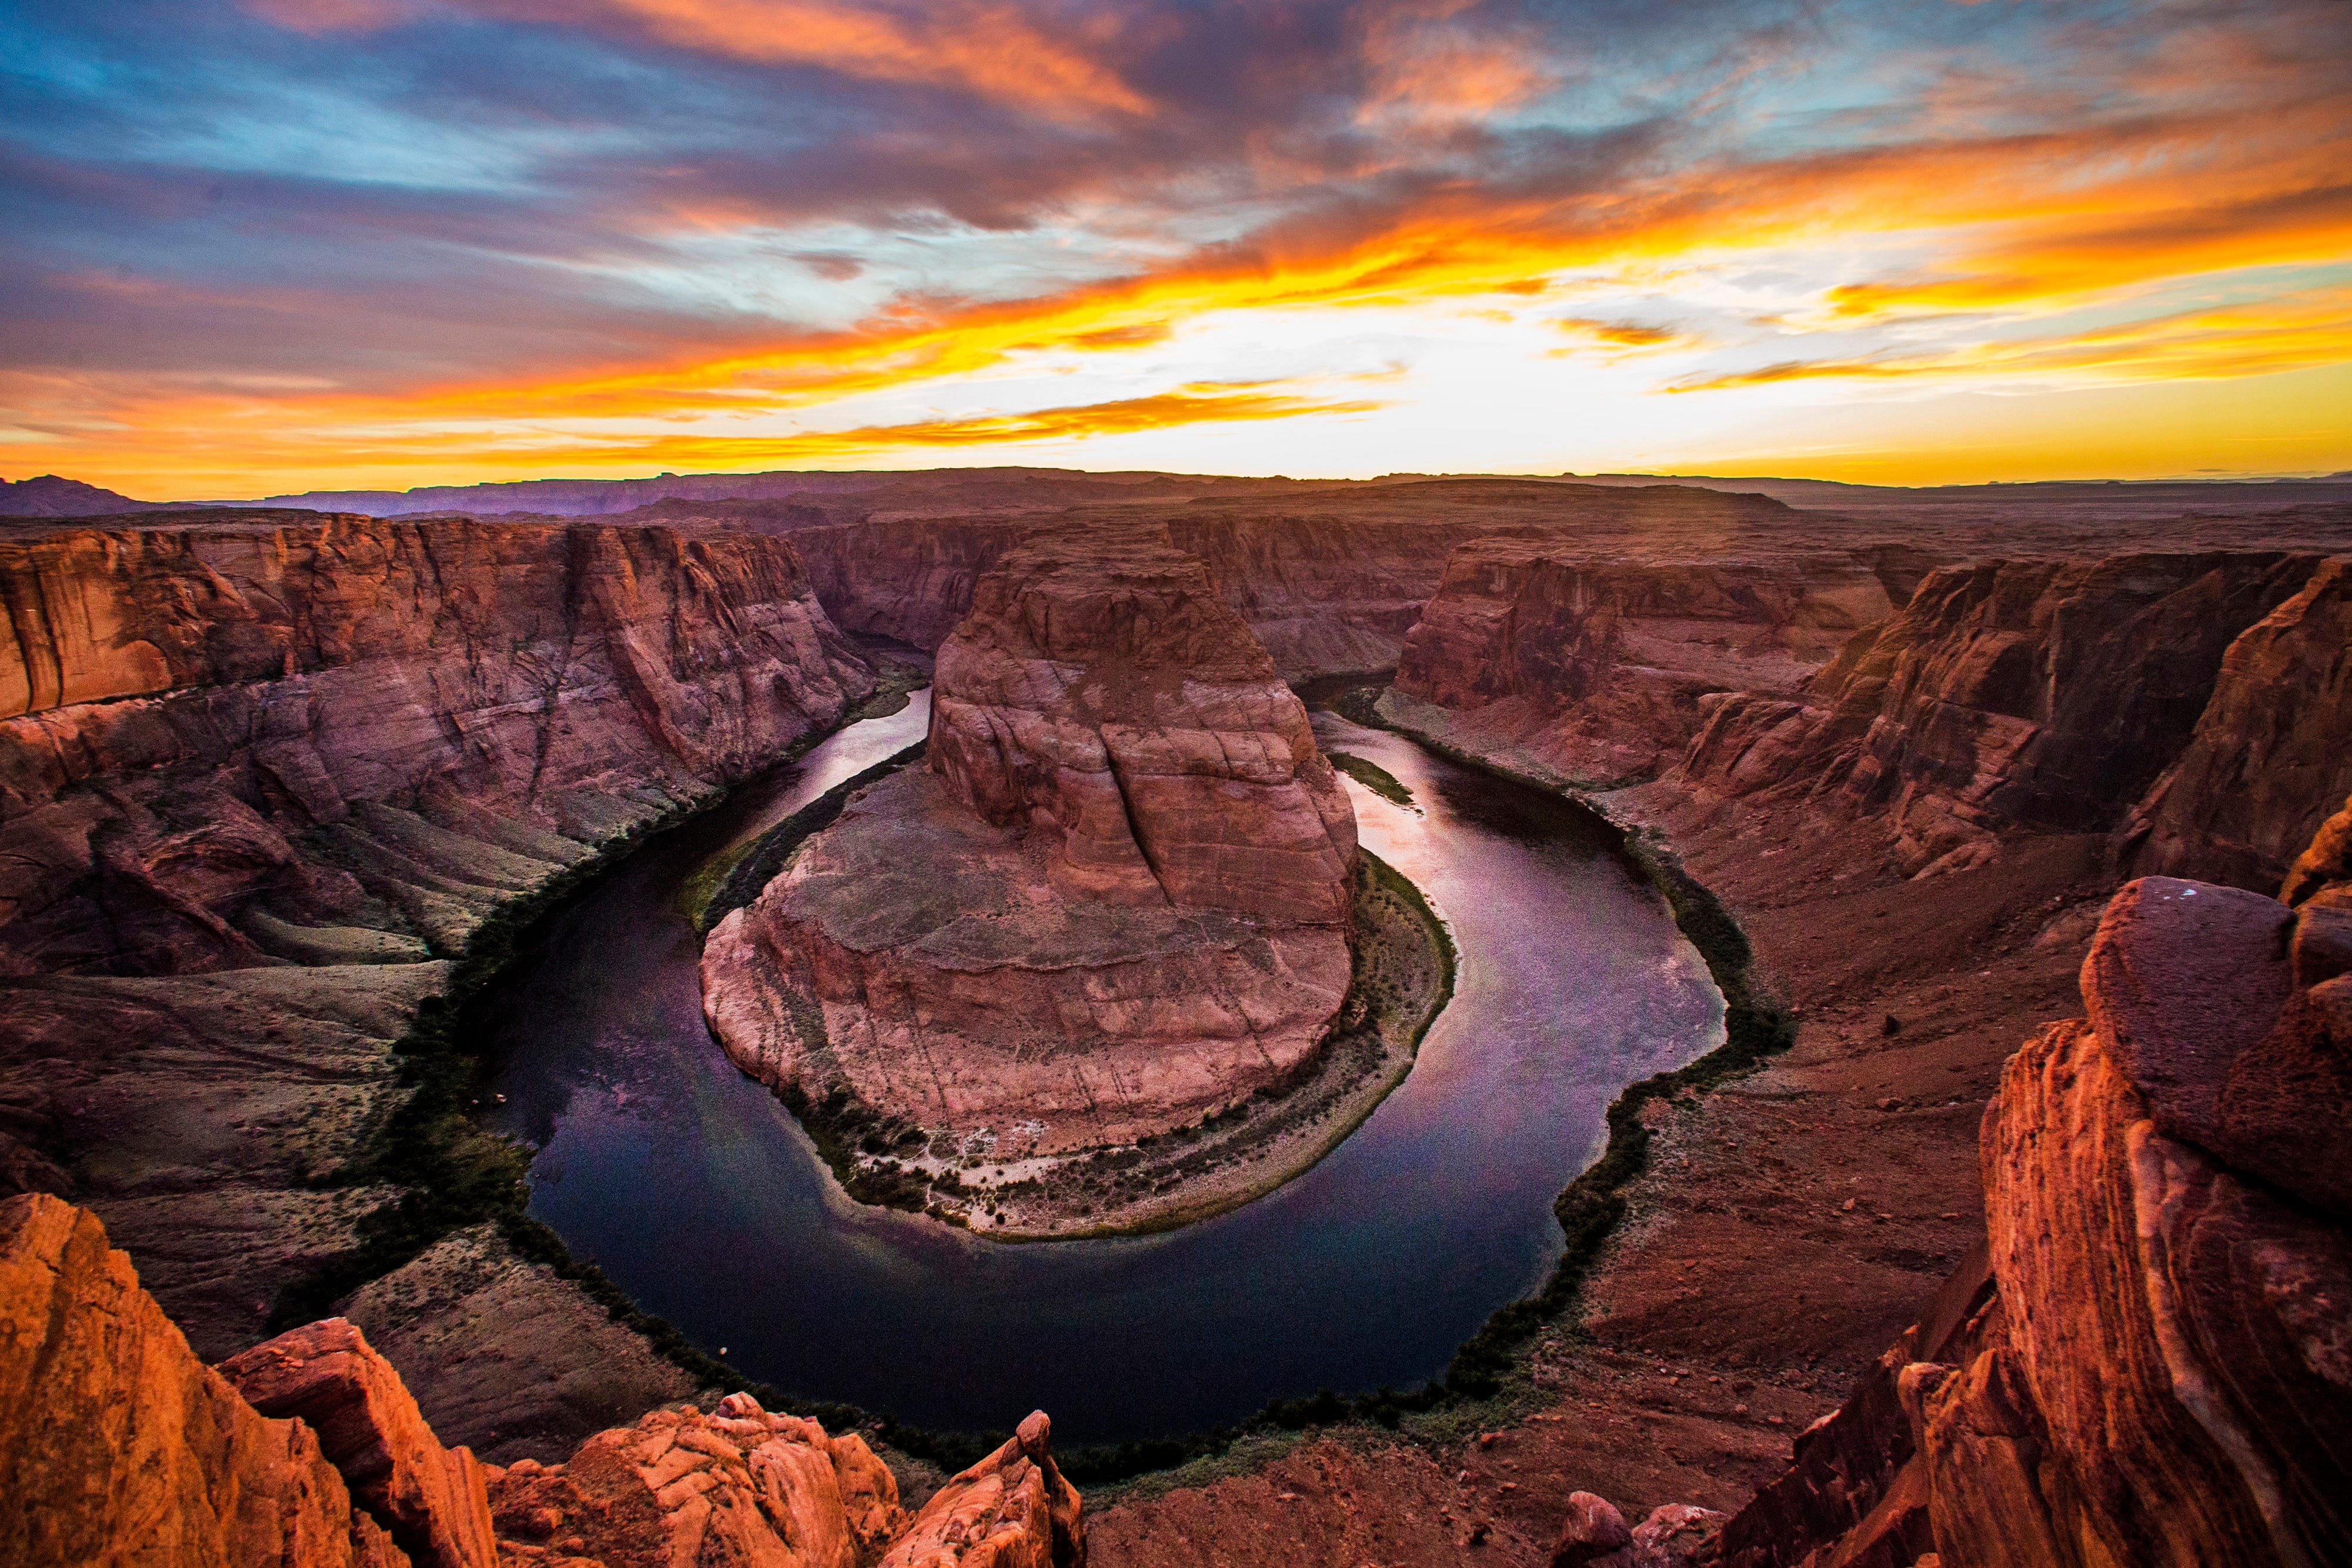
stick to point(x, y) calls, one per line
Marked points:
point(701, 1197)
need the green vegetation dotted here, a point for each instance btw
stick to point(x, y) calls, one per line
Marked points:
point(1373, 777)
point(737, 878)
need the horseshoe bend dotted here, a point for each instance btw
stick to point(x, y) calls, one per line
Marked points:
point(372, 882)
point(1150, 784)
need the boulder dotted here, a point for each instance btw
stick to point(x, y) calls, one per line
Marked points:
point(120, 1447)
point(1593, 1528)
point(1012, 1510)
point(433, 1500)
point(737, 1486)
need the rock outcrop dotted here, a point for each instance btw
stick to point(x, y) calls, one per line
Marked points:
point(2005, 695)
point(121, 1447)
point(1012, 1510)
point(263, 776)
point(1115, 901)
point(432, 1501)
point(737, 1485)
point(1599, 666)
point(1329, 577)
point(2268, 758)
point(2153, 1369)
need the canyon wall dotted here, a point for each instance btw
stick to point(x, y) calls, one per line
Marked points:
point(121, 1447)
point(262, 779)
point(2191, 702)
point(1113, 902)
point(1598, 666)
point(2268, 758)
point(2006, 694)
point(1329, 579)
point(2148, 1366)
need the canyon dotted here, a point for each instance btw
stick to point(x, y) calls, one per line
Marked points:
point(277, 788)
point(1115, 901)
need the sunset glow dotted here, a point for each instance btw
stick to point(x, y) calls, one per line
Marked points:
point(408, 242)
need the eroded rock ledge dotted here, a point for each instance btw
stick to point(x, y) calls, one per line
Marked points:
point(1115, 903)
point(122, 1447)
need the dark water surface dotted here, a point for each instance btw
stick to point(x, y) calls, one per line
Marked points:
point(701, 1196)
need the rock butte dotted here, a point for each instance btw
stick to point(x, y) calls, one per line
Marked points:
point(1114, 901)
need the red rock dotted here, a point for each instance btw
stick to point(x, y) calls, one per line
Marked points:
point(1602, 666)
point(2267, 762)
point(433, 1500)
point(2031, 693)
point(186, 700)
point(1116, 903)
point(2326, 861)
point(122, 1448)
point(737, 1486)
point(1012, 1510)
point(2181, 980)
point(1593, 1528)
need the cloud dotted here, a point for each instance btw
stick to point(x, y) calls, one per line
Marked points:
point(682, 213)
point(2298, 331)
point(995, 51)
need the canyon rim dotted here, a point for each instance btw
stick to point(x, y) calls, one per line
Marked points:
point(1327, 784)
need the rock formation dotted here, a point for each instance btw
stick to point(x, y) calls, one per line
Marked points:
point(432, 1501)
point(2031, 693)
point(1115, 901)
point(121, 1447)
point(2268, 758)
point(266, 774)
point(2153, 1368)
point(1598, 666)
point(1329, 577)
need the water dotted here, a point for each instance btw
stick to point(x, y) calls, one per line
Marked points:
point(701, 1198)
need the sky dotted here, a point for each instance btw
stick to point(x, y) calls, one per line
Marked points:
point(249, 246)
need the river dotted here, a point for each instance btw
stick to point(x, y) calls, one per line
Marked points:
point(699, 1195)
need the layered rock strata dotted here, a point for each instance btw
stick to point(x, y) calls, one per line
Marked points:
point(2043, 695)
point(1599, 666)
point(1329, 577)
point(264, 774)
point(1113, 902)
point(2154, 1371)
point(2268, 758)
point(121, 1447)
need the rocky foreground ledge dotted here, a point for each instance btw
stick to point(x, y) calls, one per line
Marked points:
point(1116, 903)
point(121, 1446)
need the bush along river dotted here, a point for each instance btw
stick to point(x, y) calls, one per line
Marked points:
point(698, 1193)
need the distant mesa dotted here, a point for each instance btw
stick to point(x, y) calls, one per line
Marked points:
point(49, 495)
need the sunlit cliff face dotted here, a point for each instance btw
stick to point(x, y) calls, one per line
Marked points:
point(398, 242)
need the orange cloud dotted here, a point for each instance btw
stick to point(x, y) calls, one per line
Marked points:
point(2020, 222)
point(991, 50)
point(2297, 333)
point(1621, 334)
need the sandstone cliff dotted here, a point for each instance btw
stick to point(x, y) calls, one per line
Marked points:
point(1329, 577)
point(1115, 901)
point(266, 775)
point(122, 1447)
point(2152, 1370)
point(2268, 758)
point(1598, 666)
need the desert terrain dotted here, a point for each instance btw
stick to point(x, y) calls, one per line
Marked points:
point(2008, 821)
